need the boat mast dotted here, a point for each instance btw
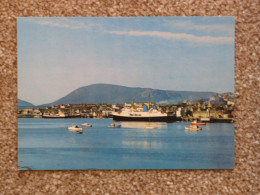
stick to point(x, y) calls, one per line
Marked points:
point(149, 103)
point(133, 103)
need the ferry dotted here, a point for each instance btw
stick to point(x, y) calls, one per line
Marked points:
point(147, 113)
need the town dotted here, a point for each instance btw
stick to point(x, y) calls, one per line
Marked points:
point(218, 108)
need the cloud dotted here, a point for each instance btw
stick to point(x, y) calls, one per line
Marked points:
point(177, 36)
point(71, 23)
point(64, 23)
point(220, 28)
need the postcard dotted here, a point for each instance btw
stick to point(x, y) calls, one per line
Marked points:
point(125, 93)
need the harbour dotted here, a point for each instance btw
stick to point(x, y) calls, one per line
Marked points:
point(208, 111)
point(49, 145)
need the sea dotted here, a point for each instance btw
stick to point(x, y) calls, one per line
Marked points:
point(47, 144)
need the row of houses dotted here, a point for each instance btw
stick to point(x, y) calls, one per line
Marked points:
point(81, 110)
point(217, 106)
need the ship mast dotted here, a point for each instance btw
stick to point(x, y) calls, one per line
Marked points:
point(133, 103)
point(149, 102)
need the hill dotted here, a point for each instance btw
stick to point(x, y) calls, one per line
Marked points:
point(107, 93)
point(24, 104)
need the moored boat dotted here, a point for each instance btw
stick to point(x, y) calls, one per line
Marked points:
point(197, 123)
point(113, 125)
point(60, 114)
point(193, 127)
point(74, 128)
point(75, 115)
point(192, 123)
point(86, 125)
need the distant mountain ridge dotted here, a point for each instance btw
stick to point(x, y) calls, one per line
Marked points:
point(24, 104)
point(108, 93)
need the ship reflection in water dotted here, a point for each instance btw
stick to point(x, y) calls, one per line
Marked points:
point(143, 144)
point(144, 125)
point(145, 130)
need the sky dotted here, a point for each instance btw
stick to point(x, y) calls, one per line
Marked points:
point(58, 55)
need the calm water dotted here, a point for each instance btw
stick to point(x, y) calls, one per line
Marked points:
point(46, 144)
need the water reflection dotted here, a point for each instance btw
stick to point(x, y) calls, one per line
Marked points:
point(132, 146)
point(143, 135)
point(144, 125)
point(143, 144)
point(191, 132)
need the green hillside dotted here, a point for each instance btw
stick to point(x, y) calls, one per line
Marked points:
point(107, 93)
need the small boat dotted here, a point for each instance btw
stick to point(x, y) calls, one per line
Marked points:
point(74, 128)
point(86, 125)
point(113, 125)
point(197, 123)
point(192, 123)
point(193, 127)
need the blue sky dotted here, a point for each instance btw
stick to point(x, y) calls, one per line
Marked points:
point(59, 55)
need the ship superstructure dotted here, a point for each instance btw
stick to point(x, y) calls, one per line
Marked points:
point(147, 112)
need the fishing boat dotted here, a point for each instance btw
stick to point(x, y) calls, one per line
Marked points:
point(193, 127)
point(74, 128)
point(60, 114)
point(86, 125)
point(147, 113)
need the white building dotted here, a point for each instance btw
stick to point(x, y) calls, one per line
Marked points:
point(180, 112)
